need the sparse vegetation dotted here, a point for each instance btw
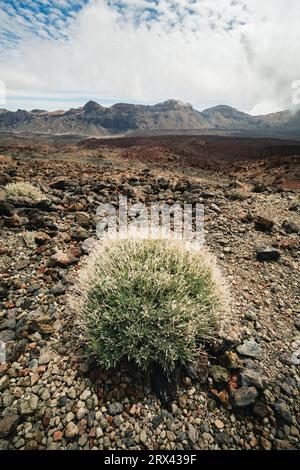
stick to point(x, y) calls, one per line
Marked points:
point(151, 301)
point(252, 361)
point(29, 238)
point(23, 190)
point(240, 194)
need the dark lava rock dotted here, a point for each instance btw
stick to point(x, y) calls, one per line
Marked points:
point(267, 254)
point(262, 224)
point(6, 208)
point(259, 188)
point(38, 219)
point(181, 436)
point(80, 234)
point(244, 396)
point(283, 412)
point(8, 323)
point(7, 335)
point(219, 374)
point(97, 187)
point(44, 205)
point(261, 409)
point(162, 386)
point(115, 409)
point(222, 438)
point(163, 183)
point(199, 370)
point(59, 184)
point(157, 420)
point(62, 401)
point(58, 289)
point(249, 348)
point(290, 227)
point(14, 351)
point(3, 291)
point(282, 445)
point(249, 377)
point(294, 208)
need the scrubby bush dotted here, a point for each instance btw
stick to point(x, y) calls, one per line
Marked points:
point(148, 302)
point(23, 189)
point(29, 238)
point(240, 194)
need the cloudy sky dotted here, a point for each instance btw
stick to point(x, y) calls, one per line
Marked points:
point(59, 54)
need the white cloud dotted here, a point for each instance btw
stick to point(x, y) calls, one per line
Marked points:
point(243, 53)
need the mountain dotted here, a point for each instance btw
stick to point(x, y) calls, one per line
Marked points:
point(228, 117)
point(172, 116)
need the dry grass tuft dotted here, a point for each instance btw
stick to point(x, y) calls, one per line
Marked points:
point(23, 190)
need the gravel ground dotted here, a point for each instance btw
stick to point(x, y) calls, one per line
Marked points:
point(245, 392)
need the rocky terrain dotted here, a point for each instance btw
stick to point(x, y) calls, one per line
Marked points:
point(267, 160)
point(119, 119)
point(243, 394)
point(271, 161)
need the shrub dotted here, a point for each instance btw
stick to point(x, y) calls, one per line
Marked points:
point(148, 302)
point(29, 239)
point(22, 189)
point(240, 194)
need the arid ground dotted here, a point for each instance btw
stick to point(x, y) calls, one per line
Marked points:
point(245, 392)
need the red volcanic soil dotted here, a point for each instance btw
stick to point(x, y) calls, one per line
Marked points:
point(269, 159)
point(194, 150)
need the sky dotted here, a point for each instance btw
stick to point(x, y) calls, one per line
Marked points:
point(59, 54)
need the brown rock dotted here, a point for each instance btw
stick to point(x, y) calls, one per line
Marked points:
point(41, 238)
point(83, 219)
point(224, 398)
point(57, 436)
point(13, 221)
point(219, 424)
point(44, 325)
point(71, 430)
point(263, 224)
point(34, 379)
point(261, 409)
point(8, 424)
point(265, 444)
point(232, 360)
point(182, 400)
point(282, 445)
point(64, 259)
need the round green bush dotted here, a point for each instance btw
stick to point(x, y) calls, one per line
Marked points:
point(148, 302)
point(22, 189)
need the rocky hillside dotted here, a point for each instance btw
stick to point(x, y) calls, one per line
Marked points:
point(243, 394)
point(96, 120)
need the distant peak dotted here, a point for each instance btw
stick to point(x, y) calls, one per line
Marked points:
point(173, 104)
point(38, 111)
point(220, 108)
point(91, 106)
point(124, 106)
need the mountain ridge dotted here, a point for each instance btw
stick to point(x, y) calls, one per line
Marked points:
point(93, 119)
